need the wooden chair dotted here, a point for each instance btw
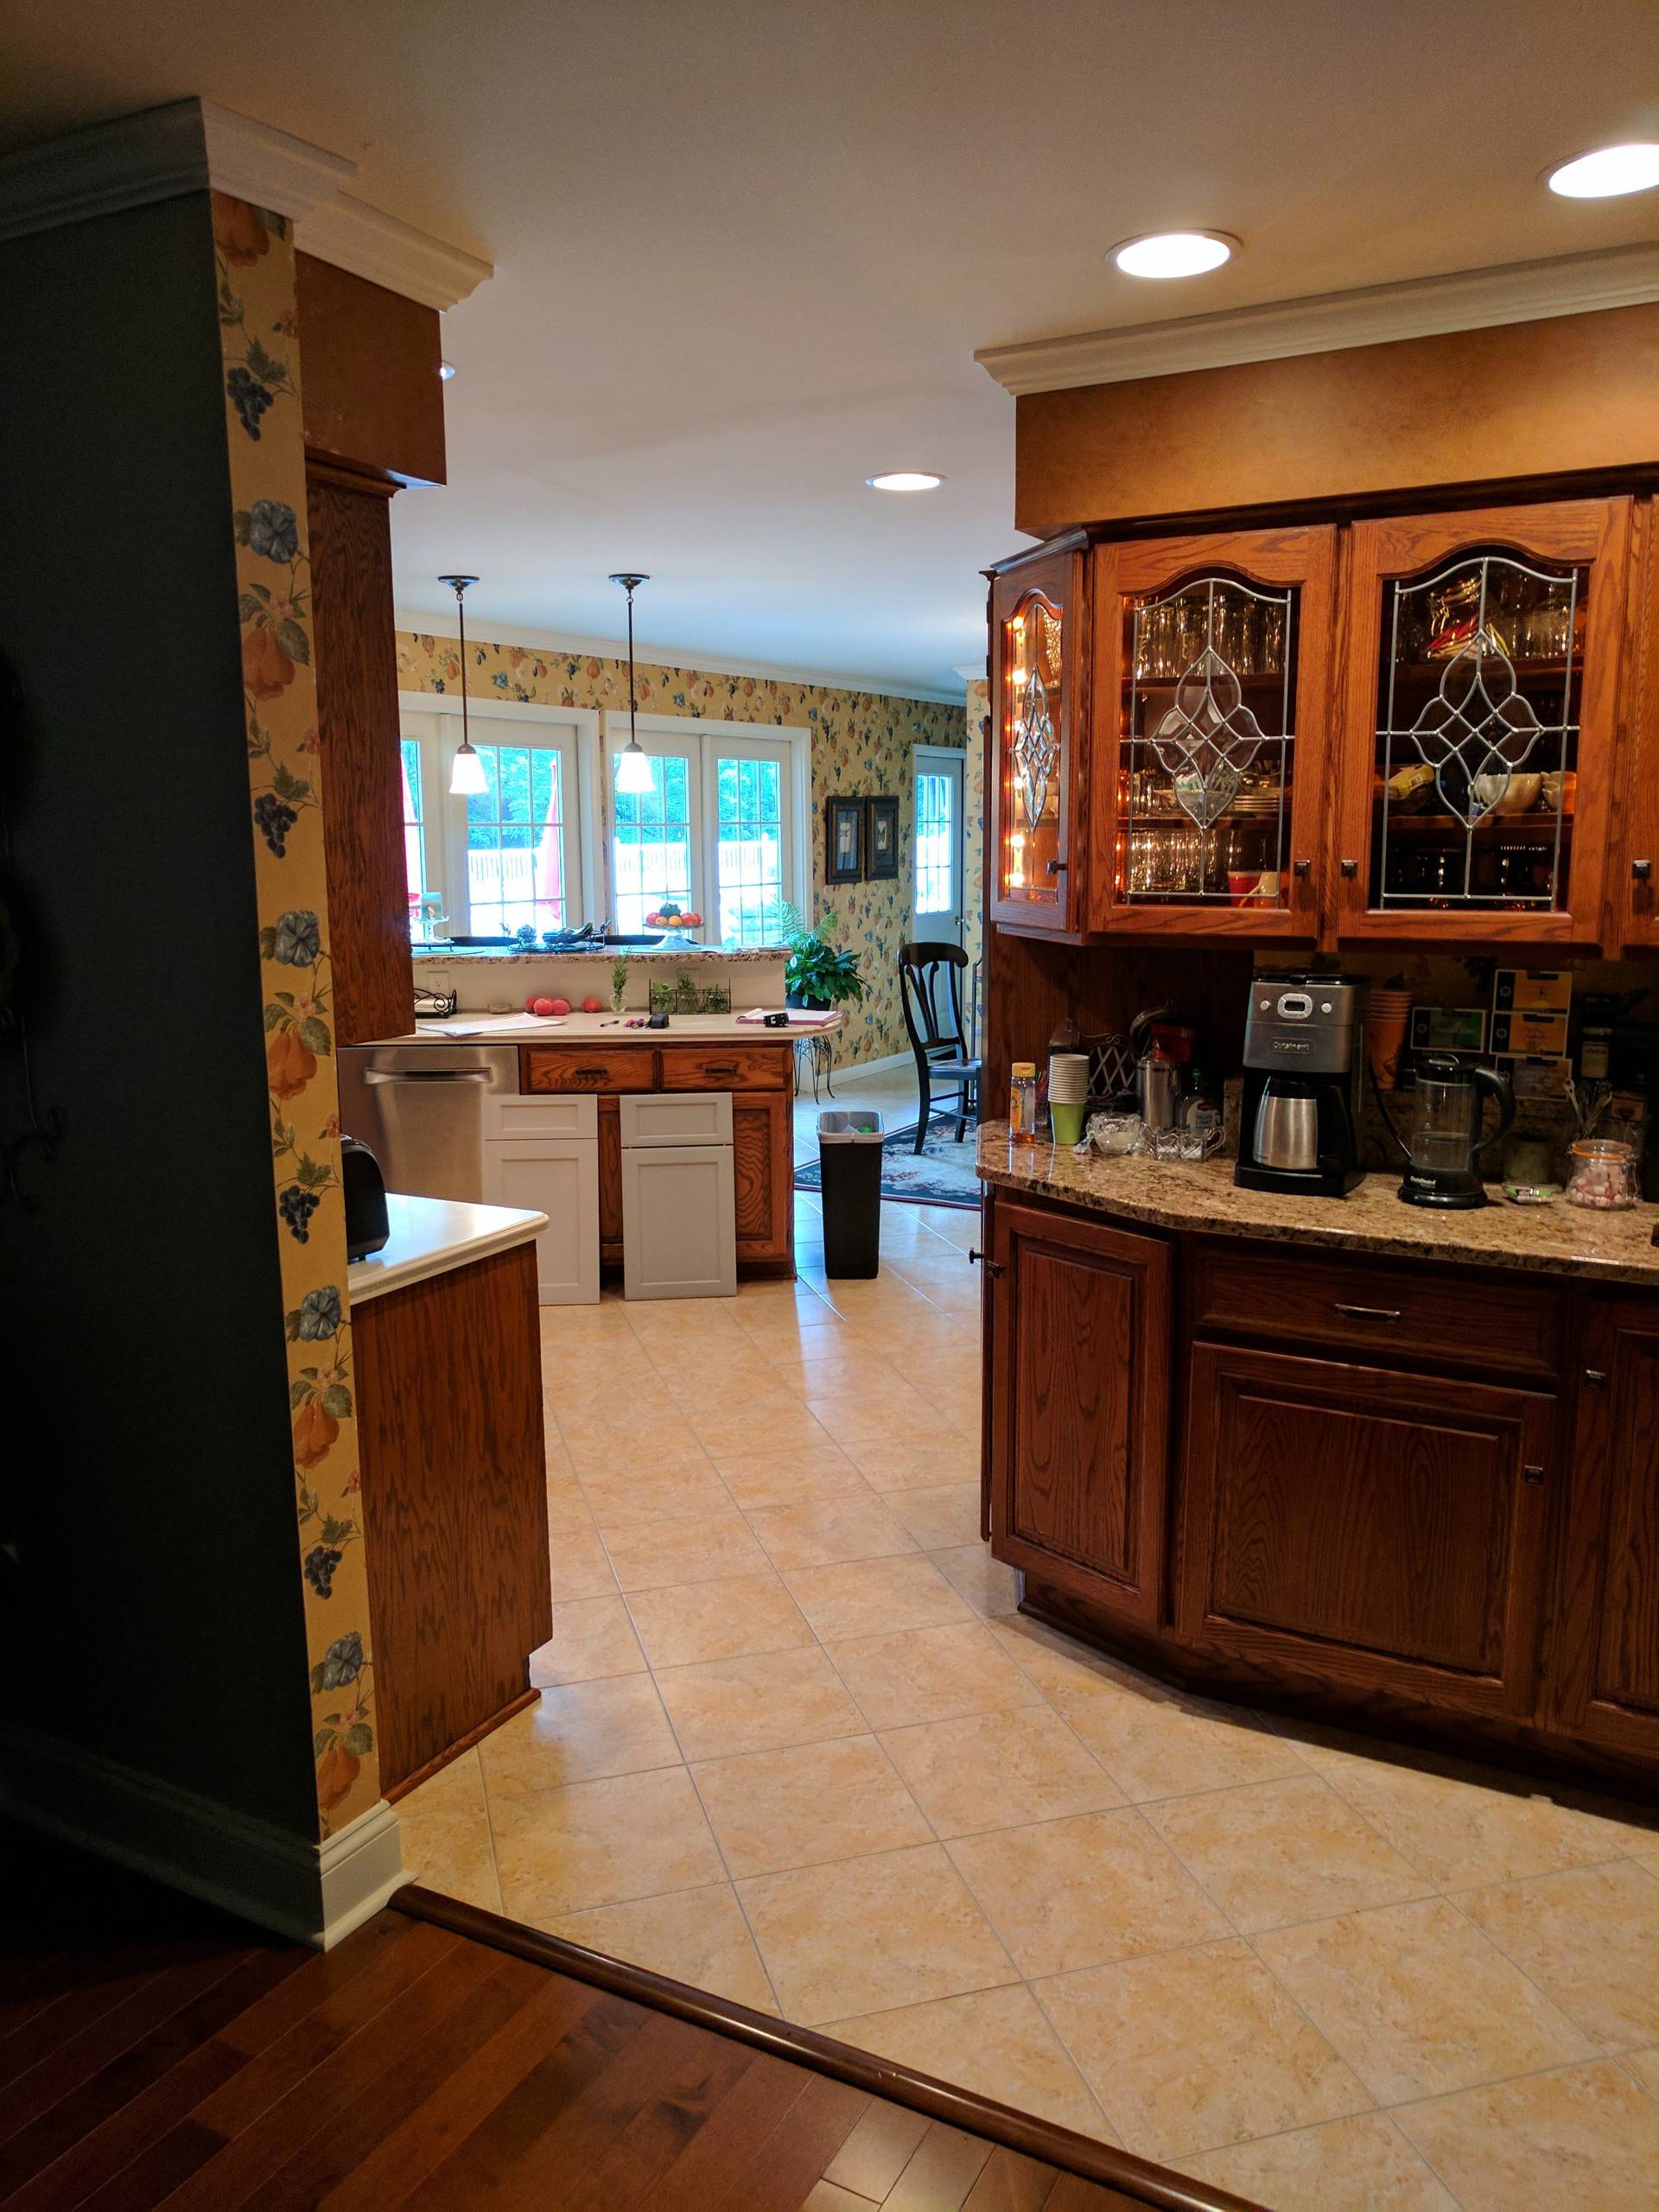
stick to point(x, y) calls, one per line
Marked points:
point(929, 990)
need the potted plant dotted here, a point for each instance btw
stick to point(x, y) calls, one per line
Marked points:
point(820, 973)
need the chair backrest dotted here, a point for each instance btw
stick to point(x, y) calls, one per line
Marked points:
point(930, 991)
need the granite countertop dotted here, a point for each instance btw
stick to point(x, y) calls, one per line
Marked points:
point(1557, 1239)
point(583, 1028)
point(678, 955)
point(431, 1236)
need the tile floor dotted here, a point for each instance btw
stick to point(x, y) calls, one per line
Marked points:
point(794, 1745)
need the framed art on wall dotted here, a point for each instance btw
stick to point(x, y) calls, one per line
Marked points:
point(880, 839)
point(844, 840)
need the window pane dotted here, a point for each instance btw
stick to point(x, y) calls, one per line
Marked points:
point(515, 852)
point(749, 851)
point(414, 821)
point(651, 849)
point(935, 845)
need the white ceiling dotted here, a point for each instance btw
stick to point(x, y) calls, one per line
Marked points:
point(746, 249)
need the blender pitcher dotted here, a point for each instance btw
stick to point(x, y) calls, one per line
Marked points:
point(1446, 1134)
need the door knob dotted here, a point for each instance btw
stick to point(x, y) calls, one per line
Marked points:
point(992, 1266)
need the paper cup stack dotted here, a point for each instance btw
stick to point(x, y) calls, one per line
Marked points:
point(1068, 1095)
point(1387, 1015)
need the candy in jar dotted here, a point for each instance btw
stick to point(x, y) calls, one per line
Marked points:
point(1603, 1173)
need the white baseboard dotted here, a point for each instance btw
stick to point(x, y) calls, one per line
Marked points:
point(317, 1892)
point(851, 1068)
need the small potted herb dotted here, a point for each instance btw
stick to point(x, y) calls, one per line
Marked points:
point(618, 985)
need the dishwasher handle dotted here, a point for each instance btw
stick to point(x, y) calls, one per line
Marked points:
point(427, 1075)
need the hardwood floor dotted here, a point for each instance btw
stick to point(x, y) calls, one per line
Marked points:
point(154, 2051)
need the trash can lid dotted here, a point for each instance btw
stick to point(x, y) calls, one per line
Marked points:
point(850, 1125)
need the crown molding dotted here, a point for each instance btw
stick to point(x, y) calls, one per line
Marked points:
point(162, 154)
point(195, 146)
point(354, 236)
point(1469, 299)
point(425, 625)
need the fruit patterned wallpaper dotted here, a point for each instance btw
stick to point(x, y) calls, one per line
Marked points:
point(258, 323)
point(861, 743)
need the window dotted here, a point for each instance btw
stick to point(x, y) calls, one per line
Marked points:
point(721, 831)
point(515, 841)
point(749, 849)
point(414, 826)
point(513, 853)
point(935, 845)
point(651, 846)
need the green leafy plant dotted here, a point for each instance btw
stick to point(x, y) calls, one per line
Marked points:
point(618, 985)
point(820, 972)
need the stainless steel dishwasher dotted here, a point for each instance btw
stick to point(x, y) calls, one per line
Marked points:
point(421, 1110)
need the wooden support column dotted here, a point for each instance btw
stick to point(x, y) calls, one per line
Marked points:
point(373, 413)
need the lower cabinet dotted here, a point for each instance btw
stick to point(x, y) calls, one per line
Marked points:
point(1372, 1528)
point(1078, 1428)
point(1606, 1666)
point(763, 1161)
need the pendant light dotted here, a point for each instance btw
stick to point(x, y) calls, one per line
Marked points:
point(467, 776)
point(633, 775)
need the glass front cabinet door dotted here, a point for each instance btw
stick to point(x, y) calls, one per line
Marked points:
point(1038, 633)
point(1480, 687)
point(1212, 659)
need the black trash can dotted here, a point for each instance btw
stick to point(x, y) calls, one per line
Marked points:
point(849, 1167)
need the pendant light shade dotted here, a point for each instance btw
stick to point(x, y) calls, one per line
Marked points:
point(467, 776)
point(634, 769)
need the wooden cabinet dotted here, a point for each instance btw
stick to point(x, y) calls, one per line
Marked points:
point(1606, 1664)
point(763, 1160)
point(1078, 1433)
point(1211, 670)
point(1400, 730)
point(763, 1128)
point(1039, 618)
point(1378, 1529)
point(449, 1427)
point(1480, 687)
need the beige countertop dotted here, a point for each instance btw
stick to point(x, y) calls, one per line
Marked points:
point(431, 1236)
point(1556, 1239)
point(522, 1028)
point(600, 956)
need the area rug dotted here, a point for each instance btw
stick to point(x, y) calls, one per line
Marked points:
point(941, 1174)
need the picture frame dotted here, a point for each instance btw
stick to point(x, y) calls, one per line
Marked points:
point(844, 840)
point(880, 840)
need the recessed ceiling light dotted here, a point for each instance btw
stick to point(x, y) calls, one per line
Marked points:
point(1174, 253)
point(1606, 173)
point(446, 370)
point(904, 479)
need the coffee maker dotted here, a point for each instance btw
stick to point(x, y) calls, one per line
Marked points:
point(1304, 1052)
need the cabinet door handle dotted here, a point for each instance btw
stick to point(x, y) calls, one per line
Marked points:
point(1532, 1474)
point(991, 1267)
point(1303, 868)
point(1641, 871)
point(1057, 868)
point(1367, 1313)
point(1595, 1377)
point(1350, 869)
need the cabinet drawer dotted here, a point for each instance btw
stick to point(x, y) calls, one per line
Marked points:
point(589, 1067)
point(1491, 1323)
point(727, 1067)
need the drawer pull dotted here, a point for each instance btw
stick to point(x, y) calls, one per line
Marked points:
point(1595, 1378)
point(720, 1067)
point(1532, 1474)
point(597, 1074)
point(1367, 1313)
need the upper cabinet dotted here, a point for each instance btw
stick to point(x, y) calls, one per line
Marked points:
point(1212, 669)
point(1480, 701)
point(1426, 730)
point(1039, 613)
